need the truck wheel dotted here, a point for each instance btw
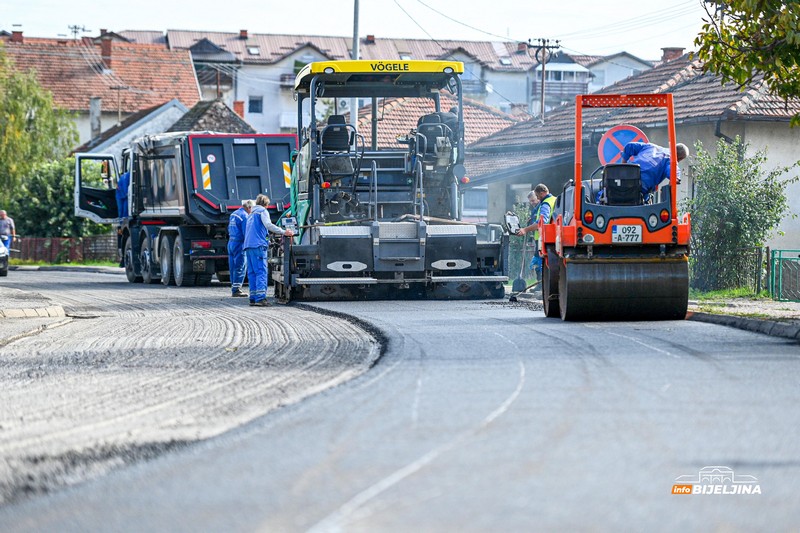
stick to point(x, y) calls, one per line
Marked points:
point(165, 256)
point(4, 271)
point(181, 268)
point(146, 259)
point(130, 268)
point(203, 280)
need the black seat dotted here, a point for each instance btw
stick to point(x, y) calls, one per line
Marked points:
point(436, 125)
point(335, 136)
point(336, 140)
point(622, 183)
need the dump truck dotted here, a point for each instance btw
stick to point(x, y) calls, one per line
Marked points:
point(612, 253)
point(183, 188)
point(383, 221)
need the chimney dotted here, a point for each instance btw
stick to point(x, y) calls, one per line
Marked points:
point(670, 53)
point(16, 36)
point(522, 47)
point(103, 31)
point(370, 39)
point(242, 34)
point(238, 107)
point(95, 108)
point(105, 51)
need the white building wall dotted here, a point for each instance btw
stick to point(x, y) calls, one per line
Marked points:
point(158, 124)
point(508, 88)
point(609, 72)
point(107, 121)
point(279, 110)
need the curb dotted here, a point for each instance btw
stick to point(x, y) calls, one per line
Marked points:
point(767, 327)
point(94, 270)
point(51, 311)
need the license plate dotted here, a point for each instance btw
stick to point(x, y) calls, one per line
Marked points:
point(626, 233)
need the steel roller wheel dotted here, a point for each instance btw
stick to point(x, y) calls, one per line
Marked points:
point(624, 290)
point(165, 258)
point(146, 259)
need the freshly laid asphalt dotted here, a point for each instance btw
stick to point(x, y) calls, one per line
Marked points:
point(19, 304)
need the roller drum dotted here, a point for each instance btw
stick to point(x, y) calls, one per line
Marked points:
point(624, 290)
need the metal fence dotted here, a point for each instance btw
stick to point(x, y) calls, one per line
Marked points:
point(784, 279)
point(734, 269)
point(66, 250)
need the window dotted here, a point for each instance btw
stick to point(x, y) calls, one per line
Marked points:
point(255, 104)
point(405, 56)
point(505, 60)
point(253, 50)
point(476, 199)
point(599, 77)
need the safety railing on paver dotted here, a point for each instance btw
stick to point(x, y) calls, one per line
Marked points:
point(784, 280)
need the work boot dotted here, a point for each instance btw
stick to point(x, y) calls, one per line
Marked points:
point(262, 303)
point(238, 293)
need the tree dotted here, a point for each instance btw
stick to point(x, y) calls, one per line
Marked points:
point(752, 38)
point(32, 129)
point(736, 207)
point(44, 203)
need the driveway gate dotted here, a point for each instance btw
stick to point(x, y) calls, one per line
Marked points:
point(784, 280)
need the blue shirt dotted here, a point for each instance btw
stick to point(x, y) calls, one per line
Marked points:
point(237, 225)
point(122, 194)
point(653, 160)
point(258, 227)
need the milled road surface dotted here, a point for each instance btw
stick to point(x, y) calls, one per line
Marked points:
point(485, 416)
point(139, 370)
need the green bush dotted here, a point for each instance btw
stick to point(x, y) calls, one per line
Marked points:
point(736, 207)
point(43, 204)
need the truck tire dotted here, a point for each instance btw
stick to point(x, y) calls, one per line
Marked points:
point(130, 267)
point(181, 268)
point(149, 275)
point(165, 258)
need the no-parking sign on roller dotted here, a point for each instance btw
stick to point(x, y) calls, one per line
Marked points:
point(609, 150)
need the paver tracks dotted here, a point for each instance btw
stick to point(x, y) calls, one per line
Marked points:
point(153, 367)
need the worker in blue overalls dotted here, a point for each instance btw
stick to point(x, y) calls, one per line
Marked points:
point(237, 264)
point(256, 248)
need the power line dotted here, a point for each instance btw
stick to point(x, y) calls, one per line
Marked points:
point(450, 54)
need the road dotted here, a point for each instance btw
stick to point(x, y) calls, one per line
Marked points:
point(486, 416)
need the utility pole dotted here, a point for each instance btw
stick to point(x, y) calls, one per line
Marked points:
point(354, 101)
point(542, 54)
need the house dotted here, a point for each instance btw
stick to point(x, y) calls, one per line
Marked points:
point(607, 70)
point(213, 116)
point(105, 80)
point(255, 73)
point(513, 160)
point(156, 119)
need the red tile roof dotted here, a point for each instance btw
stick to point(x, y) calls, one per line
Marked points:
point(74, 71)
point(399, 115)
point(698, 98)
point(499, 56)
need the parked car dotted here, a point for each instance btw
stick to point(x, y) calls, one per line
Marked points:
point(3, 259)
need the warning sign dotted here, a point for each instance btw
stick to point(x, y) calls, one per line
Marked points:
point(609, 149)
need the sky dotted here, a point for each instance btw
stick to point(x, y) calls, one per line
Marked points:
point(593, 27)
